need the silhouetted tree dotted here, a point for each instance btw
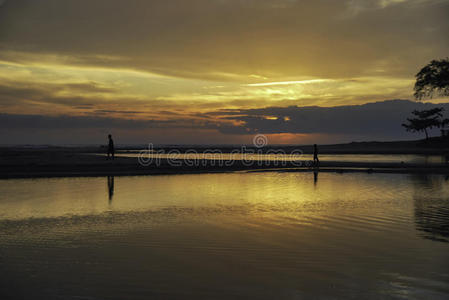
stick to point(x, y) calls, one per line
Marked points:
point(426, 119)
point(433, 79)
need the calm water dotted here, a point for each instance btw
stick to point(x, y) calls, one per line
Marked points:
point(226, 236)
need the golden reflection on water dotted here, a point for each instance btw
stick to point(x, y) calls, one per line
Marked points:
point(236, 235)
point(49, 198)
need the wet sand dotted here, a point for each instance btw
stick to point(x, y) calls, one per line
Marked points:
point(85, 161)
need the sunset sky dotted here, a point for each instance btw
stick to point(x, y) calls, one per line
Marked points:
point(209, 71)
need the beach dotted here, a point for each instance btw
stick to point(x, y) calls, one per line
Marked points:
point(276, 149)
point(77, 225)
point(52, 161)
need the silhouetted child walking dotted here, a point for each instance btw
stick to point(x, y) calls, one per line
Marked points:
point(110, 147)
point(316, 161)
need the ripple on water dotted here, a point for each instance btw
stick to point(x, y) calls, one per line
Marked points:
point(264, 235)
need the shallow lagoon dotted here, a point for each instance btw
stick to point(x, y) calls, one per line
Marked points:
point(234, 235)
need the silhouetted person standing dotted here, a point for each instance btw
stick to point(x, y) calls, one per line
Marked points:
point(110, 147)
point(316, 161)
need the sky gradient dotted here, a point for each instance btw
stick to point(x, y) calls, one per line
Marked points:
point(180, 68)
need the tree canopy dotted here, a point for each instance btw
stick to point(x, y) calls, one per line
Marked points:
point(426, 119)
point(433, 79)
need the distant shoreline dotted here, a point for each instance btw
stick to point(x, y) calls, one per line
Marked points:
point(435, 146)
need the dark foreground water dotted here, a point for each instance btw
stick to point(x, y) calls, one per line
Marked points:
point(226, 236)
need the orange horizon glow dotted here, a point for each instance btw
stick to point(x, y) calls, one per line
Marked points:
point(181, 65)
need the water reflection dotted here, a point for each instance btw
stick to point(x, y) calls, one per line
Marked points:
point(110, 188)
point(315, 177)
point(431, 206)
point(225, 236)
